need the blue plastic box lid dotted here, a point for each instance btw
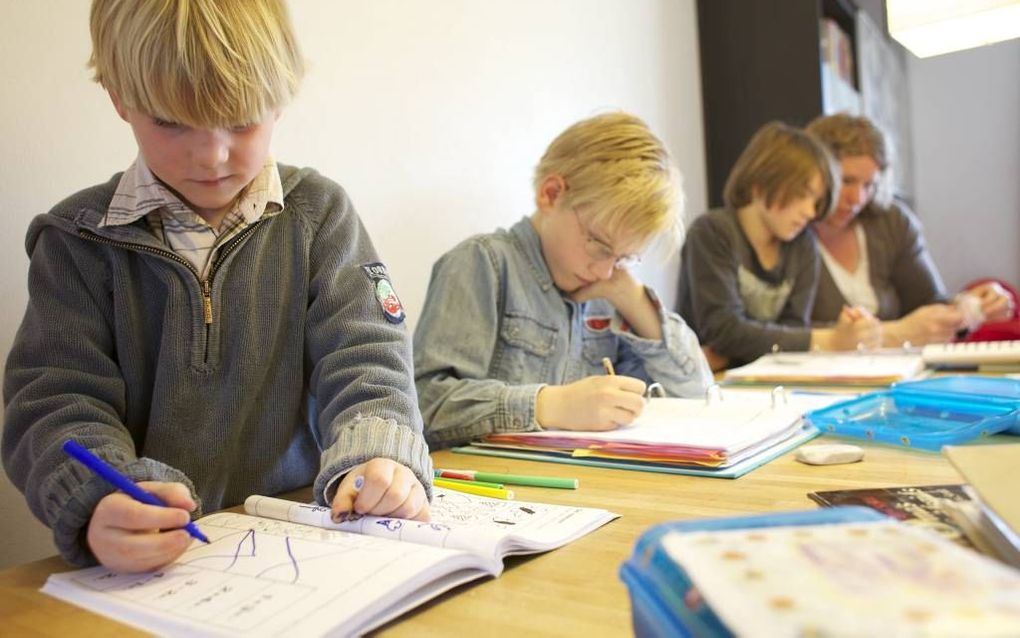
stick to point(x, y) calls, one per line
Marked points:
point(927, 414)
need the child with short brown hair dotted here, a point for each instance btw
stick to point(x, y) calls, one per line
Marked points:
point(748, 271)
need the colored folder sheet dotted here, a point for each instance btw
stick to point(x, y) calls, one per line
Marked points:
point(736, 470)
point(596, 454)
point(722, 435)
point(676, 455)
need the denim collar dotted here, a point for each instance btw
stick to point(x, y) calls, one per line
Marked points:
point(531, 245)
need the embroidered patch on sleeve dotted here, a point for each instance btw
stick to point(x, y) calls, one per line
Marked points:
point(393, 310)
point(598, 323)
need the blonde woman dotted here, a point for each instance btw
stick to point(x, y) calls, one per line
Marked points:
point(874, 254)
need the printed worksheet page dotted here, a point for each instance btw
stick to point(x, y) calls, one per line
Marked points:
point(490, 527)
point(261, 577)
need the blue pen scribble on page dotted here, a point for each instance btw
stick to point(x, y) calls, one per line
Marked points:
point(293, 564)
point(233, 556)
point(257, 576)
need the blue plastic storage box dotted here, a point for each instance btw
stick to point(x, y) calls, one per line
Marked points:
point(663, 601)
point(927, 414)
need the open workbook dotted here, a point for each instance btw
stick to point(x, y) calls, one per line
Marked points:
point(262, 576)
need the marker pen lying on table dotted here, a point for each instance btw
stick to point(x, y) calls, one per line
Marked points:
point(511, 479)
point(477, 490)
point(292, 511)
point(121, 482)
point(456, 479)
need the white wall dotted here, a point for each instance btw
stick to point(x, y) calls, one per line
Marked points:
point(966, 118)
point(431, 114)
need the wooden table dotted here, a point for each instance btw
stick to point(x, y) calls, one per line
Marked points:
point(574, 590)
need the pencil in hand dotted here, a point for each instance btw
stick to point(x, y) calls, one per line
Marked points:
point(607, 365)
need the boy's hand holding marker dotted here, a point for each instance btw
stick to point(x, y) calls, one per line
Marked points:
point(381, 487)
point(593, 403)
point(141, 526)
point(128, 536)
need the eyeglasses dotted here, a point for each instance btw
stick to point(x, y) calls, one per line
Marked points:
point(600, 251)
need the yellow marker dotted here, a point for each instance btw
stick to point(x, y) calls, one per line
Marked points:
point(477, 490)
point(608, 366)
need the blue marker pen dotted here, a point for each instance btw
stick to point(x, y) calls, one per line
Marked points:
point(121, 482)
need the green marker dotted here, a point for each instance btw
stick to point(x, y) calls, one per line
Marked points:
point(497, 486)
point(513, 479)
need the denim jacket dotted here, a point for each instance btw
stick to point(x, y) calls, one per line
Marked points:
point(495, 329)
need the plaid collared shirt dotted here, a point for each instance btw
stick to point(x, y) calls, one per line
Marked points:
point(139, 194)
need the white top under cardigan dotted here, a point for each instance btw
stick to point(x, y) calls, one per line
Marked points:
point(855, 286)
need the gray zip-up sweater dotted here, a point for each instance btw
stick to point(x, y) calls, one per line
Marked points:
point(282, 370)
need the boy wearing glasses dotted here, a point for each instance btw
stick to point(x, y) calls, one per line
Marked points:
point(516, 323)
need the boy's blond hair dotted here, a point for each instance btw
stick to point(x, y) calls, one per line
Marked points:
point(778, 164)
point(615, 167)
point(203, 63)
point(847, 135)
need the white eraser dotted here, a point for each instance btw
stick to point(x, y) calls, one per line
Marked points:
point(829, 454)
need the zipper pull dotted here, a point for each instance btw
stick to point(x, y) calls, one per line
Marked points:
point(207, 301)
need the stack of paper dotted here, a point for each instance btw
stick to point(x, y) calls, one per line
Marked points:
point(725, 436)
point(830, 368)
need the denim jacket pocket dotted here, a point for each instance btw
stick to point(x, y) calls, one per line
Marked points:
point(524, 349)
point(598, 347)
